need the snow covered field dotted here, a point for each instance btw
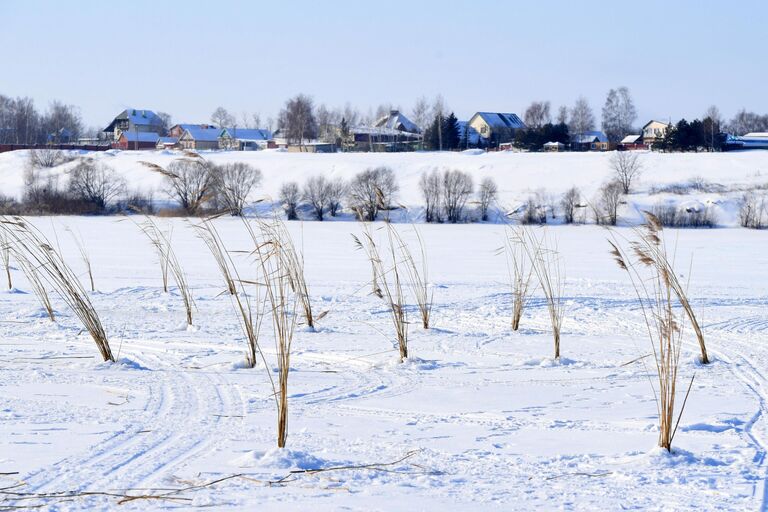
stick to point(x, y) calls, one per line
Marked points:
point(725, 176)
point(478, 418)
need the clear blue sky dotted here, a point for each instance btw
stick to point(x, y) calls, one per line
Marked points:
point(186, 58)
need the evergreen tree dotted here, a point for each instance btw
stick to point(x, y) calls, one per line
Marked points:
point(450, 132)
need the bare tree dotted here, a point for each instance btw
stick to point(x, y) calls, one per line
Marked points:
point(189, 180)
point(609, 199)
point(61, 124)
point(289, 198)
point(457, 187)
point(421, 113)
point(45, 158)
point(488, 192)
point(222, 118)
point(233, 183)
point(568, 204)
point(431, 185)
point(627, 168)
point(619, 114)
point(96, 183)
point(562, 115)
point(337, 189)
point(315, 193)
point(298, 119)
point(537, 114)
point(167, 121)
point(582, 119)
point(371, 191)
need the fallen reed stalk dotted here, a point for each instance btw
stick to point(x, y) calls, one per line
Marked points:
point(249, 317)
point(652, 282)
point(168, 261)
point(37, 284)
point(391, 287)
point(275, 256)
point(29, 244)
point(548, 269)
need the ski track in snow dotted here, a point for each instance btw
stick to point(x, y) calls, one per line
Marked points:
point(495, 421)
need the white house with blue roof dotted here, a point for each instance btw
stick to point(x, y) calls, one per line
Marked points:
point(496, 127)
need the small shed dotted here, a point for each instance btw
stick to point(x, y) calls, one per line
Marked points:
point(554, 146)
point(136, 140)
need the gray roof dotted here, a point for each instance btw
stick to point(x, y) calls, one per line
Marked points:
point(397, 121)
point(501, 120)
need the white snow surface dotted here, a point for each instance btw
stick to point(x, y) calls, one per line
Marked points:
point(518, 175)
point(479, 417)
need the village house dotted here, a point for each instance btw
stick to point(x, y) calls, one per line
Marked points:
point(654, 131)
point(134, 121)
point(244, 139)
point(167, 143)
point(129, 140)
point(631, 142)
point(495, 128)
point(397, 121)
point(590, 141)
point(200, 137)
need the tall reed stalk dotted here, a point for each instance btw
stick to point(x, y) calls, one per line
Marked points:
point(548, 269)
point(520, 272)
point(417, 274)
point(5, 256)
point(29, 245)
point(390, 283)
point(84, 255)
point(649, 273)
point(168, 261)
point(249, 317)
point(275, 255)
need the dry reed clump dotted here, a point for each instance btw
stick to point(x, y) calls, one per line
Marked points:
point(520, 272)
point(275, 256)
point(652, 280)
point(546, 265)
point(169, 262)
point(249, 315)
point(389, 283)
point(31, 249)
point(650, 248)
point(417, 274)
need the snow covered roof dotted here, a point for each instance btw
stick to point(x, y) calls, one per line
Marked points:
point(554, 144)
point(589, 137)
point(631, 139)
point(384, 131)
point(247, 133)
point(756, 135)
point(198, 133)
point(167, 140)
point(136, 116)
point(132, 136)
point(501, 120)
point(397, 121)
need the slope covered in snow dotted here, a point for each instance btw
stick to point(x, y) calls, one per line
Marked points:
point(722, 176)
